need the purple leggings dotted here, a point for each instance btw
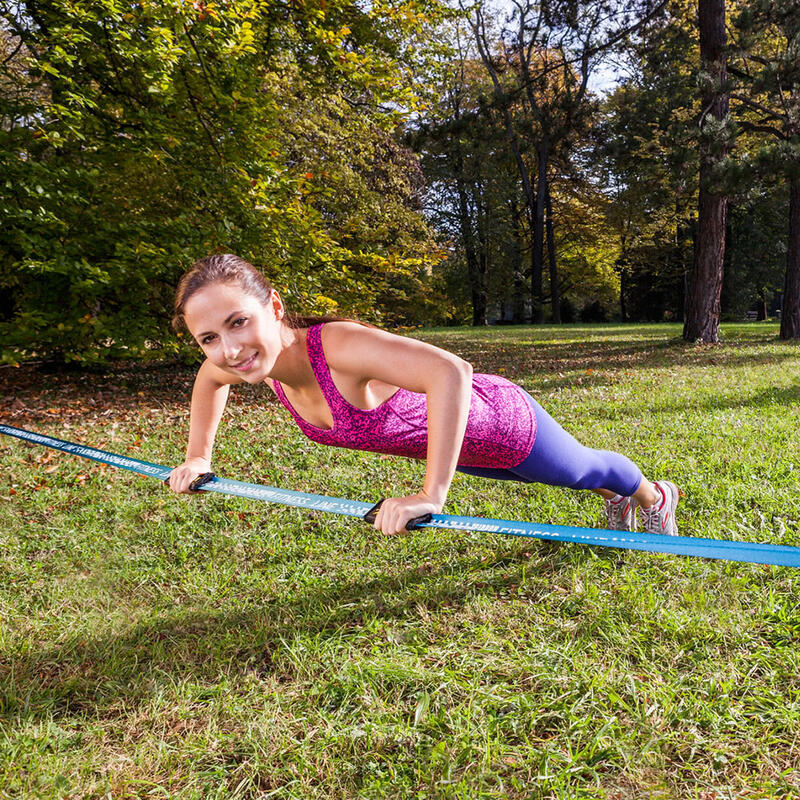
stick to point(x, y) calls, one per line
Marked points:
point(557, 459)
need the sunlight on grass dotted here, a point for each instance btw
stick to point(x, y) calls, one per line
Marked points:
point(154, 645)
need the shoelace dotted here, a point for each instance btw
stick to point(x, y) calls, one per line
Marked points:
point(653, 522)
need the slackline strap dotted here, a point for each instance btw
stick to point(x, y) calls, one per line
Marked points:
point(754, 552)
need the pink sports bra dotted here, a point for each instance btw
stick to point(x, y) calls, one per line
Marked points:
point(501, 427)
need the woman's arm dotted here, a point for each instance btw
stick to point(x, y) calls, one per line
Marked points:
point(448, 398)
point(445, 379)
point(209, 396)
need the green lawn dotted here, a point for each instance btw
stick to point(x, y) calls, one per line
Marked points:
point(211, 647)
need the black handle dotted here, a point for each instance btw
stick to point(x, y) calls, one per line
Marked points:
point(411, 525)
point(201, 480)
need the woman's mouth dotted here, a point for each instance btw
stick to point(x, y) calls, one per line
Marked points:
point(244, 366)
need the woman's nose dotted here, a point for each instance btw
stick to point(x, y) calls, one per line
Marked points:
point(231, 348)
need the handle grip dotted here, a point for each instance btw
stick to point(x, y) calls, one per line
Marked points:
point(411, 525)
point(201, 480)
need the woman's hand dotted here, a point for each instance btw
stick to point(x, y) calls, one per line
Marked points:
point(182, 476)
point(395, 512)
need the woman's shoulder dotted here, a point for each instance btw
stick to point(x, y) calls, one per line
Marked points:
point(342, 331)
point(346, 324)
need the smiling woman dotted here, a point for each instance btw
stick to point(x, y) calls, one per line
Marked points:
point(351, 385)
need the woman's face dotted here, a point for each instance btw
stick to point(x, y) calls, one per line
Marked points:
point(235, 330)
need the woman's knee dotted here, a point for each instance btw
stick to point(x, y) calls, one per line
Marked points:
point(591, 471)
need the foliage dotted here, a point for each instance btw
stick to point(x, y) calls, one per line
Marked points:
point(587, 250)
point(756, 251)
point(475, 195)
point(470, 186)
point(767, 93)
point(646, 149)
point(136, 138)
point(643, 174)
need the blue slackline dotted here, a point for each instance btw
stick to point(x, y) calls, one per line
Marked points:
point(753, 552)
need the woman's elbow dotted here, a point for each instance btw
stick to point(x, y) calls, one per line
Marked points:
point(453, 375)
point(462, 370)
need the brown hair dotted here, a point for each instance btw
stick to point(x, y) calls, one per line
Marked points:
point(228, 268)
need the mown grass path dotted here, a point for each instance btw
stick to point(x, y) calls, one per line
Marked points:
point(211, 647)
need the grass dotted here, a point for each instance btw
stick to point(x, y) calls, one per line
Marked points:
point(213, 647)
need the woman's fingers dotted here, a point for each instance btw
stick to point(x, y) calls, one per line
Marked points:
point(396, 512)
point(181, 478)
point(387, 520)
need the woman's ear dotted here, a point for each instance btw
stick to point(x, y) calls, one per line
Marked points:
point(277, 305)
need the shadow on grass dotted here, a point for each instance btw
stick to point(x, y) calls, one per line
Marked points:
point(97, 676)
point(788, 396)
point(554, 365)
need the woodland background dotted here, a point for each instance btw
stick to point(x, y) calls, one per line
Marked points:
point(411, 162)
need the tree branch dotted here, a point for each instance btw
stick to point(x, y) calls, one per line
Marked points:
point(202, 62)
point(199, 115)
point(752, 126)
point(11, 57)
point(752, 104)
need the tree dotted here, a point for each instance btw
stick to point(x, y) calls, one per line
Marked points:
point(646, 155)
point(552, 47)
point(476, 196)
point(767, 97)
point(705, 284)
point(646, 152)
point(755, 250)
point(454, 158)
point(135, 138)
point(472, 186)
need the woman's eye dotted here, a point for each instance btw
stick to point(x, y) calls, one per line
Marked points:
point(238, 322)
point(207, 340)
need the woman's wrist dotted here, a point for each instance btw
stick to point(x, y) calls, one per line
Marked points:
point(436, 496)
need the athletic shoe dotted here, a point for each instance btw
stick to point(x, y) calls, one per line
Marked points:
point(621, 514)
point(660, 517)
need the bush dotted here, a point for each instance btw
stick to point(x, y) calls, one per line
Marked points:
point(594, 311)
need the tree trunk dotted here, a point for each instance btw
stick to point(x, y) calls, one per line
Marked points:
point(623, 287)
point(479, 304)
point(790, 308)
point(477, 278)
point(537, 253)
point(680, 255)
point(728, 295)
point(555, 295)
point(478, 307)
point(483, 224)
point(705, 284)
point(518, 299)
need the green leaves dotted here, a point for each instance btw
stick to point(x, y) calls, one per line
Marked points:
point(137, 138)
